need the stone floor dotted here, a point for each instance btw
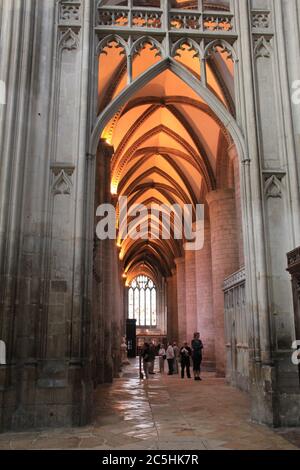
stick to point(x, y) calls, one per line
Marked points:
point(164, 413)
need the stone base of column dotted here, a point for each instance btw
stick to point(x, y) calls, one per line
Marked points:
point(52, 394)
point(274, 402)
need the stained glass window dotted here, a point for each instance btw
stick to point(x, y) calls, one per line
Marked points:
point(142, 302)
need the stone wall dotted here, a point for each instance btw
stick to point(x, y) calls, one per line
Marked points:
point(55, 335)
point(48, 295)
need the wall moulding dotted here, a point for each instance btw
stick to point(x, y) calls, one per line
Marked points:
point(62, 178)
point(69, 11)
point(262, 46)
point(69, 39)
point(273, 184)
point(261, 21)
point(69, 24)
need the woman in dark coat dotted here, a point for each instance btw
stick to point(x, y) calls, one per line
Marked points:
point(197, 347)
point(185, 354)
point(146, 355)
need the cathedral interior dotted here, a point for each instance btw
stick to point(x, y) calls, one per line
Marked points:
point(164, 104)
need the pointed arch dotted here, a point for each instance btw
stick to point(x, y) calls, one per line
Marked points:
point(217, 107)
point(103, 43)
point(226, 46)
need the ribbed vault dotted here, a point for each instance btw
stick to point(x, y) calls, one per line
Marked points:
point(168, 148)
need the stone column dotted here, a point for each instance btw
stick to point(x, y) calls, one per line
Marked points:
point(44, 165)
point(17, 325)
point(162, 292)
point(181, 299)
point(289, 68)
point(190, 295)
point(204, 295)
point(116, 295)
point(104, 156)
point(172, 319)
point(165, 305)
point(261, 367)
point(225, 261)
point(125, 306)
point(253, 199)
point(233, 155)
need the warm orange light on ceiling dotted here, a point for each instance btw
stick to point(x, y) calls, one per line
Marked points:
point(106, 135)
point(114, 188)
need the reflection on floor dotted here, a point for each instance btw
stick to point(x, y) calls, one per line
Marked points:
point(164, 413)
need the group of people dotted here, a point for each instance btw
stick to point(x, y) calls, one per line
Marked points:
point(175, 356)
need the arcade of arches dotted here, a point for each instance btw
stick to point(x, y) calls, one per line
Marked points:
point(167, 104)
point(168, 147)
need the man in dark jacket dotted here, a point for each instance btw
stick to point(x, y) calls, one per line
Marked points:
point(152, 354)
point(185, 354)
point(197, 348)
point(146, 359)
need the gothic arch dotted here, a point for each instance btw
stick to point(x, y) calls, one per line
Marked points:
point(218, 108)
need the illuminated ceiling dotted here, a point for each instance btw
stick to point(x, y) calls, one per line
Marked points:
point(167, 143)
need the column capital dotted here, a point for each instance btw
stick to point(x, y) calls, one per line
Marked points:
point(219, 195)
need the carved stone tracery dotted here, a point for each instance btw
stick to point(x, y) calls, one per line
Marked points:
point(273, 184)
point(62, 178)
point(69, 24)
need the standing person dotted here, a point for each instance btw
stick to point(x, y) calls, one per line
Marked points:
point(162, 358)
point(197, 347)
point(185, 354)
point(152, 354)
point(170, 358)
point(146, 359)
point(176, 357)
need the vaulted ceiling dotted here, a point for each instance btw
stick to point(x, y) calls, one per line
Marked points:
point(167, 142)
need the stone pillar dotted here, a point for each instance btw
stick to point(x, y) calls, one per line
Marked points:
point(181, 299)
point(289, 69)
point(262, 372)
point(233, 155)
point(204, 294)
point(44, 175)
point(224, 248)
point(271, 206)
point(162, 292)
point(116, 295)
point(190, 295)
point(125, 306)
point(172, 318)
point(104, 156)
point(16, 60)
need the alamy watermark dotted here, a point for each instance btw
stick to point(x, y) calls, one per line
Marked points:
point(140, 222)
point(296, 92)
point(2, 92)
point(296, 353)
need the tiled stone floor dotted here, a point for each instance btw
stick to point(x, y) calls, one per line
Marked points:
point(165, 413)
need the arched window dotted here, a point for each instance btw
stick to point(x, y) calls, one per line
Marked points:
point(142, 302)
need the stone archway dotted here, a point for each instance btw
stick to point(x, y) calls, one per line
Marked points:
point(220, 111)
point(231, 129)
